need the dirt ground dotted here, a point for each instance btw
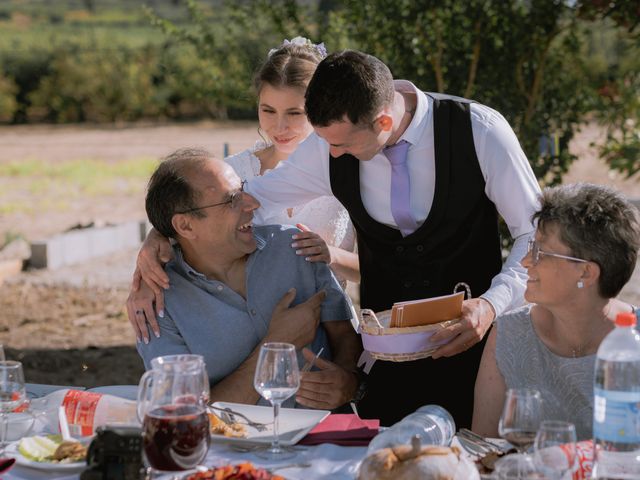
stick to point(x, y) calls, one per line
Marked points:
point(68, 326)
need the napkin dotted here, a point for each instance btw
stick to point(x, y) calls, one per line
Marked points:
point(342, 429)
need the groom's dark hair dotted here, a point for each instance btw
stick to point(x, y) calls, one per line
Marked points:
point(348, 83)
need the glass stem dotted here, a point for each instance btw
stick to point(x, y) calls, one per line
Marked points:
point(4, 424)
point(275, 446)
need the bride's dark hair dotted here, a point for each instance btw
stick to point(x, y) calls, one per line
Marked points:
point(290, 65)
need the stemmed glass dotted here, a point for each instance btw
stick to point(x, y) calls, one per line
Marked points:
point(556, 462)
point(277, 378)
point(12, 394)
point(521, 417)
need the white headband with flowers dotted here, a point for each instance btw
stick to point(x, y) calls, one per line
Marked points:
point(301, 41)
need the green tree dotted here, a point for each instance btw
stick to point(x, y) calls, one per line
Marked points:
point(229, 42)
point(8, 104)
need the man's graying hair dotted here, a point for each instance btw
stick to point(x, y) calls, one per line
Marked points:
point(598, 224)
point(348, 83)
point(169, 192)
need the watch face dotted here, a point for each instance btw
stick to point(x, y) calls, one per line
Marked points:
point(362, 386)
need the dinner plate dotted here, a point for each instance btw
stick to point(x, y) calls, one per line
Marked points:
point(12, 451)
point(294, 423)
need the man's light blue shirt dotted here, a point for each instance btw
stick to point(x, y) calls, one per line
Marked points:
point(206, 317)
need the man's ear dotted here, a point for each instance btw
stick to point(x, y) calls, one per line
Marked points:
point(182, 225)
point(383, 123)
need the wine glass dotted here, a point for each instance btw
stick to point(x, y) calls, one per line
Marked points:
point(555, 449)
point(517, 466)
point(521, 417)
point(277, 378)
point(12, 394)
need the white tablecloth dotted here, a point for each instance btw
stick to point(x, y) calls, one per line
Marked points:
point(327, 461)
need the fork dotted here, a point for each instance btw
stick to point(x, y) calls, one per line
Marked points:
point(261, 427)
point(481, 442)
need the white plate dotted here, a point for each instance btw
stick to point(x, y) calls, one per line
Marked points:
point(294, 423)
point(12, 451)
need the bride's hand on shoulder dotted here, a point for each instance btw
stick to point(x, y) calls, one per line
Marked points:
point(311, 245)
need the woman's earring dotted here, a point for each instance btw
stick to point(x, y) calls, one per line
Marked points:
point(580, 284)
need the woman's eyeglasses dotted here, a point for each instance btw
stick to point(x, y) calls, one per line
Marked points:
point(234, 199)
point(536, 253)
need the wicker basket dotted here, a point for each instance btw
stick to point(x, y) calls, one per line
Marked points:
point(367, 328)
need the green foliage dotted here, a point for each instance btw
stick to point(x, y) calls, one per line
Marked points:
point(619, 110)
point(8, 103)
point(85, 86)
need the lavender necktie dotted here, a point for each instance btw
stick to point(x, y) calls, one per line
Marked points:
point(400, 194)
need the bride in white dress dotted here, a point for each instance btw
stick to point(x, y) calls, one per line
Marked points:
point(280, 84)
point(327, 234)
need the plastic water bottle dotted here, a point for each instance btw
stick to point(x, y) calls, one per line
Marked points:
point(616, 409)
point(432, 423)
point(85, 411)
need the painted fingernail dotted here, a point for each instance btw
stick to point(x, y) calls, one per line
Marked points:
point(161, 313)
point(294, 244)
point(299, 252)
point(307, 258)
point(295, 237)
point(157, 334)
point(138, 340)
point(146, 341)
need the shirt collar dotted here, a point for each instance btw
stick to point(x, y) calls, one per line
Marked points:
point(415, 129)
point(182, 265)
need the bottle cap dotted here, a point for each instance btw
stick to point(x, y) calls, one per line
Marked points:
point(626, 319)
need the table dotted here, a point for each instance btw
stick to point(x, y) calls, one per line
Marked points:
point(328, 461)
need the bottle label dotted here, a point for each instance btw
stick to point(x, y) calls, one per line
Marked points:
point(616, 416)
point(80, 408)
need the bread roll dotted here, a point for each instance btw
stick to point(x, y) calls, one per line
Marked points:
point(406, 462)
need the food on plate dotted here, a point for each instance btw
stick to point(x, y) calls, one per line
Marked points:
point(409, 462)
point(243, 471)
point(220, 427)
point(51, 448)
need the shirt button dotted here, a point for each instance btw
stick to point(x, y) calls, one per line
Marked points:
point(253, 311)
point(399, 249)
point(219, 288)
point(407, 284)
point(420, 248)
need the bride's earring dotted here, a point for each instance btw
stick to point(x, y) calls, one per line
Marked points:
point(580, 284)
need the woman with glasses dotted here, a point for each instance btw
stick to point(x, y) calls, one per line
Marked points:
point(583, 252)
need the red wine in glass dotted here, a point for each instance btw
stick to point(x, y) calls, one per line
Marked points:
point(175, 437)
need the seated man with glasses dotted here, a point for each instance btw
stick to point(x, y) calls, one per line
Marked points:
point(235, 286)
point(584, 251)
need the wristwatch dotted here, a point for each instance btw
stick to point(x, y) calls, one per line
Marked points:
point(362, 386)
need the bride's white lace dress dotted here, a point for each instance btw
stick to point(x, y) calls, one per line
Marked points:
point(324, 215)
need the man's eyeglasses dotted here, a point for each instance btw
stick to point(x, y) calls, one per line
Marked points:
point(536, 253)
point(234, 199)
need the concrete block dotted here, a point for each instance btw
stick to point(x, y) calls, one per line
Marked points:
point(9, 268)
point(77, 246)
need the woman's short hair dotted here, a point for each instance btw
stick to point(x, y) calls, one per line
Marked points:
point(290, 65)
point(598, 224)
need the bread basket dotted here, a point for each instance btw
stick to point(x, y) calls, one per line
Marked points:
point(402, 344)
